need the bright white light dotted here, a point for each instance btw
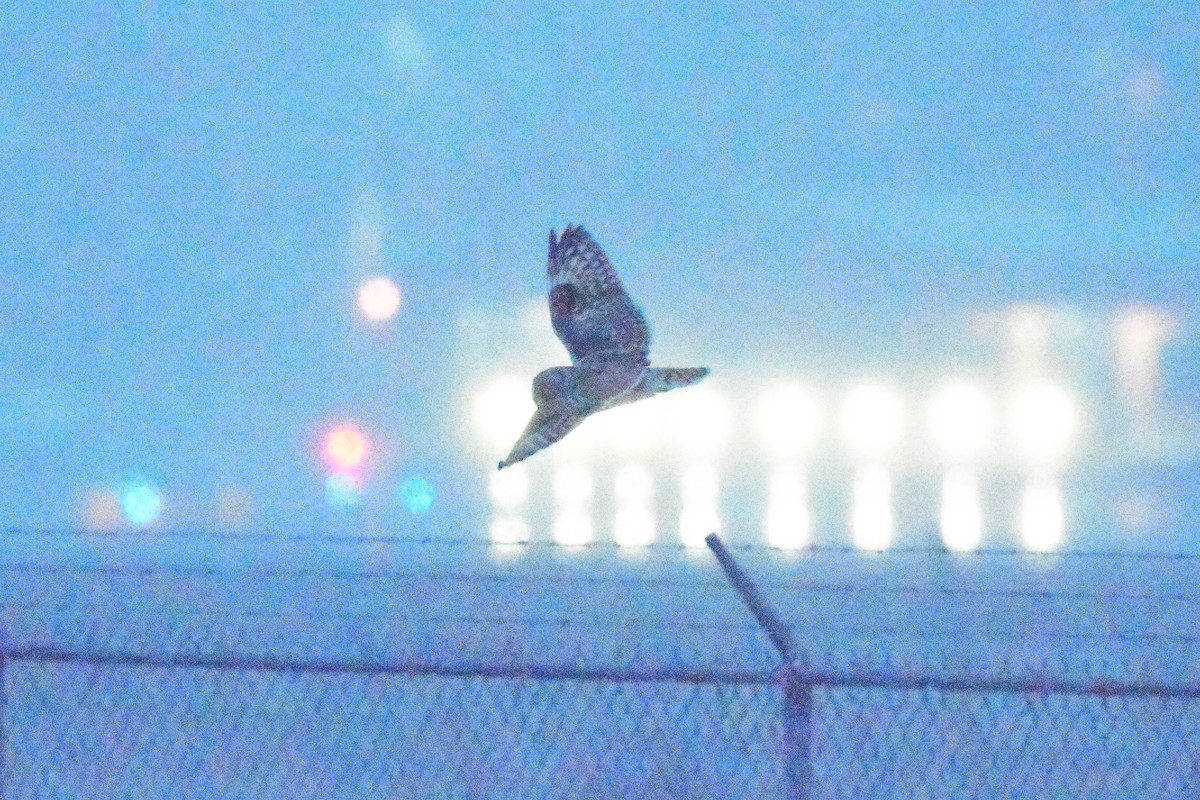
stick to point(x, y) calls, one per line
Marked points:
point(632, 428)
point(502, 410)
point(788, 522)
point(572, 527)
point(700, 419)
point(633, 527)
point(698, 486)
point(1041, 516)
point(697, 522)
point(509, 487)
point(789, 420)
point(378, 299)
point(698, 493)
point(508, 529)
point(1043, 421)
point(871, 515)
point(873, 419)
point(1028, 327)
point(960, 419)
point(1141, 332)
point(573, 485)
point(634, 485)
point(788, 527)
point(634, 491)
point(962, 516)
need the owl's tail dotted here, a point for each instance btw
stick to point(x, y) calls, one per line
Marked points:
point(661, 379)
point(664, 379)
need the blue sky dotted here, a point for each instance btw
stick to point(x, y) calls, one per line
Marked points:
point(177, 263)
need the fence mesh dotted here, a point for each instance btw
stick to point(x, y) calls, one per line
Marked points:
point(92, 731)
point(883, 743)
point(119, 731)
point(150, 667)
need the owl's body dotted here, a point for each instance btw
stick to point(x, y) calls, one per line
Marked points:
point(608, 340)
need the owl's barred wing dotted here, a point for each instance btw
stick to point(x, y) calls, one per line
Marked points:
point(544, 429)
point(576, 258)
point(589, 308)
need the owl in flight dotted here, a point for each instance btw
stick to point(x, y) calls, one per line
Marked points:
point(608, 340)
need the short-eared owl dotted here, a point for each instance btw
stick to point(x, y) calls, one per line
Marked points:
point(608, 339)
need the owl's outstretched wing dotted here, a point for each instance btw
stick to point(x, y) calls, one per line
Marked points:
point(545, 428)
point(589, 308)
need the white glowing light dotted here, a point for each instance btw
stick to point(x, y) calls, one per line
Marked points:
point(1044, 420)
point(698, 486)
point(502, 410)
point(1141, 333)
point(788, 527)
point(632, 428)
point(1042, 524)
point(633, 485)
point(960, 419)
point(508, 529)
point(700, 418)
point(789, 420)
point(788, 521)
point(573, 485)
point(572, 527)
point(633, 527)
point(873, 419)
point(871, 515)
point(509, 487)
point(698, 490)
point(697, 522)
point(378, 299)
point(961, 515)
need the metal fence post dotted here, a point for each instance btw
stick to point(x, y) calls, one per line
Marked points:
point(3, 728)
point(797, 735)
point(797, 692)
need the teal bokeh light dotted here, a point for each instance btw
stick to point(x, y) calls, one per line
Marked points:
point(417, 494)
point(142, 503)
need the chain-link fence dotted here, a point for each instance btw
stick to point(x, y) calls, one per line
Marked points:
point(160, 666)
point(96, 727)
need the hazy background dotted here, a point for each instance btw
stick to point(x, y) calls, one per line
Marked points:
point(190, 198)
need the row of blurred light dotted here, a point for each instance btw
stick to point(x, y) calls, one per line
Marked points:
point(787, 521)
point(139, 503)
point(961, 419)
point(960, 416)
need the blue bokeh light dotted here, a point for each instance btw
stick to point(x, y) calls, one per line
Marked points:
point(142, 503)
point(343, 490)
point(417, 494)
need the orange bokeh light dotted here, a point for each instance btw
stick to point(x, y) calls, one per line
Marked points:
point(346, 447)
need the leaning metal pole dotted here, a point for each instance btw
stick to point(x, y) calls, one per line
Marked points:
point(797, 693)
point(3, 729)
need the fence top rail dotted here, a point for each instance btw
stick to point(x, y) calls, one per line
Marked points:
point(549, 672)
point(1030, 684)
point(848, 679)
